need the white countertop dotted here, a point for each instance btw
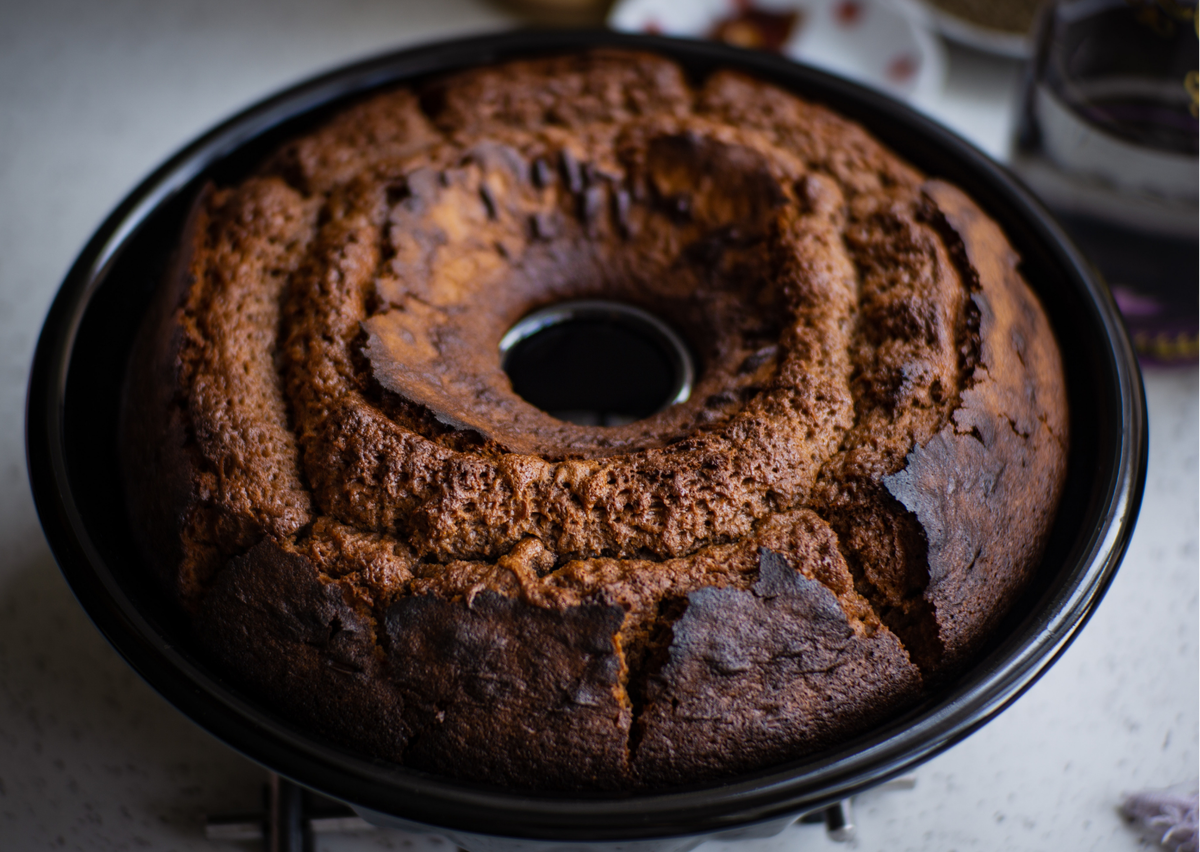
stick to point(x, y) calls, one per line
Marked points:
point(93, 95)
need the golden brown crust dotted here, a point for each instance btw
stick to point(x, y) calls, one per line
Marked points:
point(379, 537)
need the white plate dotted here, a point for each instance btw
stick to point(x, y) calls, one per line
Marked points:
point(867, 41)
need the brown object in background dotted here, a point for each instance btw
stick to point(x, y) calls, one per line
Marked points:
point(756, 28)
point(560, 13)
point(1011, 16)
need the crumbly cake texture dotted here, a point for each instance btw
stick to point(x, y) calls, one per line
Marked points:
point(371, 532)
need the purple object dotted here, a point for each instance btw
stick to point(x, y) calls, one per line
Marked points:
point(1167, 815)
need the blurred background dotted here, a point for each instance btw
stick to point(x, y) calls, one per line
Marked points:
point(94, 94)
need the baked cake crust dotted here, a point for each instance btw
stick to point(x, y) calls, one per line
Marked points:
point(370, 530)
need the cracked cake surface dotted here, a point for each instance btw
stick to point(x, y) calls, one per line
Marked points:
point(374, 534)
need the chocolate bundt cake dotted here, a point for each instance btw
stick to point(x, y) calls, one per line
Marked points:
point(373, 533)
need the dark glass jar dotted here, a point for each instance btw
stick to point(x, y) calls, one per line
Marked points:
point(1107, 137)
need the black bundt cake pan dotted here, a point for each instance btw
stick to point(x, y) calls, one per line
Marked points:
point(74, 394)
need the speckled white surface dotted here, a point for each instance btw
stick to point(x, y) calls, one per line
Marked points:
point(95, 94)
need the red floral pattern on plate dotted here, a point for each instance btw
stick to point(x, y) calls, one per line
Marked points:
point(848, 13)
point(902, 67)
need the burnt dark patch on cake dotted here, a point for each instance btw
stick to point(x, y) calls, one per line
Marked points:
point(591, 205)
point(542, 173)
point(524, 667)
point(571, 170)
point(755, 360)
point(621, 201)
point(785, 641)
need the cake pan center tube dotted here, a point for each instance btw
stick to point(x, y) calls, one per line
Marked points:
point(597, 363)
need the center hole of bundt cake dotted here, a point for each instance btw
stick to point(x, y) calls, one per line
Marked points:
point(596, 363)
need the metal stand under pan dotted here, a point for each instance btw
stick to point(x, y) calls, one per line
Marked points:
point(292, 817)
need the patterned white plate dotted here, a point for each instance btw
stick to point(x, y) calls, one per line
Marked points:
point(867, 41)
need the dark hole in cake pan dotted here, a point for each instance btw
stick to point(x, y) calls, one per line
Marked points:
point(597, 363)
point(74, 397)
